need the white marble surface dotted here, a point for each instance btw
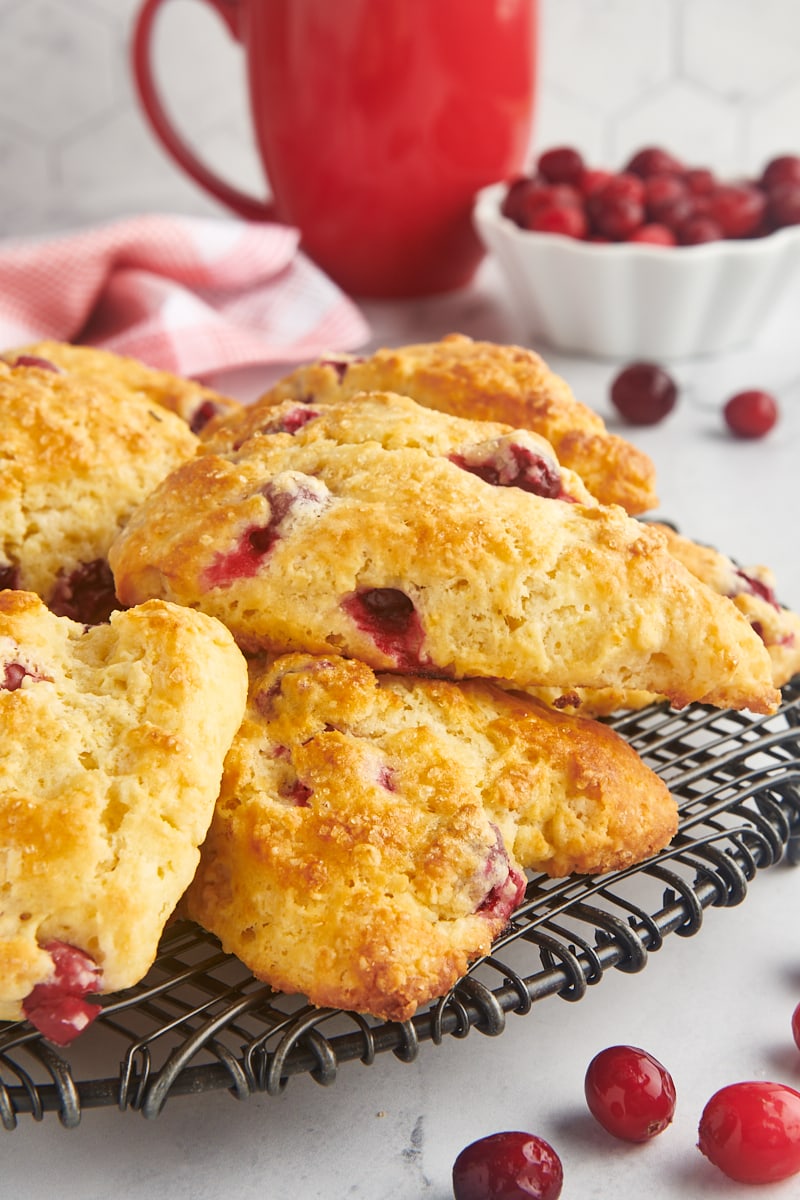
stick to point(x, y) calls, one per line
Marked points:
point(715, 1008)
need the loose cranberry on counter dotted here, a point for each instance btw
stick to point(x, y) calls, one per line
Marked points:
point(508, 1166)
point(751, 414)
point(751, 1131)
point(629, 1093)
point(643, 393)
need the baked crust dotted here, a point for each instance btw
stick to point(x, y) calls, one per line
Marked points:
point(363, 847)
point(122, 377)
point(488, 382)
point(75, 464)
point(292, 538)
point(112, 741)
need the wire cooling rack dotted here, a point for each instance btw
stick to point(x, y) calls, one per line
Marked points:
point(200, 1022)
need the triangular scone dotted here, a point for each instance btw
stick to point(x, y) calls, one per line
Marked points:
point(362, 850)
point(112, 741)
point(75, 464)
point(412, 561)
point(121, 377)
point(488, 382)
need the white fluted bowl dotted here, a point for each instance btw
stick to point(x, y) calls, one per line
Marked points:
point(633, 300)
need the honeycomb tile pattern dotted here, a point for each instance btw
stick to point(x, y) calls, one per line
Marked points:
point(717, 81)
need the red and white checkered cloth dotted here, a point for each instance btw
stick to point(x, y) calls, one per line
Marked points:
point(192, 295)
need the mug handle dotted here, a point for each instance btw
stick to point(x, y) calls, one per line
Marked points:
point(242, 204)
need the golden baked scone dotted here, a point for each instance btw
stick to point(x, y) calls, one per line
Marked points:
point(363, 846)
point(488, 382)
point(75, 463)
point(112, 741)
point(752, 590)
point(411, 561)
point(121, 377)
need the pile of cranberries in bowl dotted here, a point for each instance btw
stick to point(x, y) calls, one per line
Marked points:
point(655, 199)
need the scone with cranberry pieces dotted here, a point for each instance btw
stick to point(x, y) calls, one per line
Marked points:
point(369, 837)
point(487, 381)
point(75, 464)
point(428, 544)
point(112, 741)
point(118, 375)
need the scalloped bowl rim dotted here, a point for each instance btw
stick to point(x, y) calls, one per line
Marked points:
point(626, 299)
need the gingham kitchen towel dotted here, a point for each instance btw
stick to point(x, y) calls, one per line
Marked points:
point(191, 295)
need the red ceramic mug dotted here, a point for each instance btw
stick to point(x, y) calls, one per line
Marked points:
point(376, 123)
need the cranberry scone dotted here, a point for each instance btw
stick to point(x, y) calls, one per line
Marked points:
point(488, 382)
point(75, 464)
point(429, 555)
point(113, 740)
point(119, 376)
point(368, 840)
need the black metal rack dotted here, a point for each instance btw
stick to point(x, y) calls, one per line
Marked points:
point(200, 1022)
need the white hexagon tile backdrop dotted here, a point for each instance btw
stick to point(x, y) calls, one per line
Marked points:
point(716, 81)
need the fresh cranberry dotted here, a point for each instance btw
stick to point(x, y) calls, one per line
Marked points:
point(618, 208)
point(562, 164)
point(508, 1166)
point(542, 198)
point(9, 576)
point(796, 1026)
point(783, 169)
point(653, 161)
point(700, 181)
point(676, 212)
point(389, 617)
point(86, 595)
point(661, 190)
point(783, 204)
point(593, 179)
point(57, 1008)
point(698, 229)
point(512, 203)
point(751, 1131)
point(751, 414)
point(737, 209)
point(568, 220)
point(654, 235)
point(629, 1093)
point(643, 393)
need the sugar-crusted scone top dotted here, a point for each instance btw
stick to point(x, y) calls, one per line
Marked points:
point(488, 382)
point(112, 741)
point(367, 842)
point(75, 464)
point(121, 378)
point(359, 532)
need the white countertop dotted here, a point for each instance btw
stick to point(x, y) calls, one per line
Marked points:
point(714, 1008)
